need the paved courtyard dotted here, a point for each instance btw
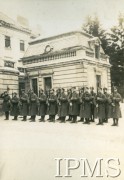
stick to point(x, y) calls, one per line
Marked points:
point(28, 150)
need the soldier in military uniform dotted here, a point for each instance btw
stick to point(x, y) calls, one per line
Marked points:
point(42, 105)
point(116, 111)
point(24, 103)
point(74, 104)
point(87, 99)
point(14, 106)
point(47, 103)
point(52, 105)
point(100, 99)
point(33, 101)
point(6, 104)
point(58, 94)
point(93, 104)
point(63, 105)
point(69, 95)
point(81, 107)
point(107, 104)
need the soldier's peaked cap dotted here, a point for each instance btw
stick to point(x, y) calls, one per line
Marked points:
point(115, 88)
point(51, 89)
point(92, 88)
point(15, 93)
point(104, 88)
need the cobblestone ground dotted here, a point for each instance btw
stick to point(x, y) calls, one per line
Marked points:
point(28, 150)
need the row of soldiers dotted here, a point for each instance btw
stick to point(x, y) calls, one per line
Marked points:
point(86, 103)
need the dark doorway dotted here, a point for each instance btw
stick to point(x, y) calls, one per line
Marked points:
point(47, 84)
point(98, 81)
point(34, 86)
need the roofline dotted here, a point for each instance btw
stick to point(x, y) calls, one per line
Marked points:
point(60, 36)
point(15, 27)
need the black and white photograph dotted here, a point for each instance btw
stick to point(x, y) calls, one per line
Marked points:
point(61, 89)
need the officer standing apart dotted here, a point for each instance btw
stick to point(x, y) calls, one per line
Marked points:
point(6, 104)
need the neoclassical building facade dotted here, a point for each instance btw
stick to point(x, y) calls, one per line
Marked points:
point(70, 59)
point(14, 40)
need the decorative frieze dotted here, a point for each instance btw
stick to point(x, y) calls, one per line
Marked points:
point(50, 57)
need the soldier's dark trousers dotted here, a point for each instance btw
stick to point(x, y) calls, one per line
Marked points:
point(33, 117)
point(15, 117)
point(53, 118)
point(49, 117)
point(92, 112)
point(87, 120)
point(7, 115)
point(100, 121)
point(70, 118)
point(81, 120)
point(115, 122)
point(74, 118)
point(42, 118)
point(24, 118)
point(106, 114)
point(63, 119)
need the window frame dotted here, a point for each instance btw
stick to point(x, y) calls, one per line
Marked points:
point(22, 45)
point(7, 41)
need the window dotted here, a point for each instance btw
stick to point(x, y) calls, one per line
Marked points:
point(22, 45)
point(9, 64)
point(7, 42)
point(98, 81)
point(97, 50)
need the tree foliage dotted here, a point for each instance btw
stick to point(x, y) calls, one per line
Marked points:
point(112, 43)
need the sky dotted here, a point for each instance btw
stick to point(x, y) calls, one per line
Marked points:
point(57, 16)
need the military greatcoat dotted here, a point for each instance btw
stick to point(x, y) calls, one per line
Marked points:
point(116, 111)
point(85, 111)
point(24, 103)
point(52, 104)
point(6, 102)
point(74, 104)
point(33, 105)
point(101, 105)
point(63, 105)
point(42, 105)
point(14, 106)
